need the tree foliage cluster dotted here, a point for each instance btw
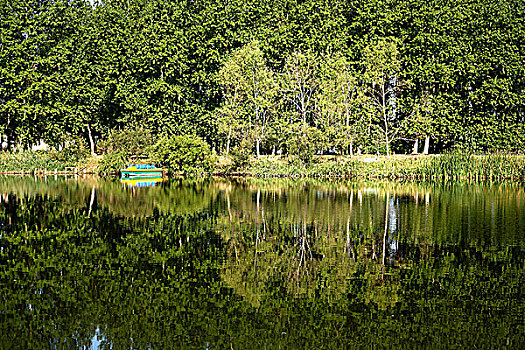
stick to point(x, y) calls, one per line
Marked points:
point(263, 76)
point(183, 154)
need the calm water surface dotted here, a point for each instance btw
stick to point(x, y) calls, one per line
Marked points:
point(264, 264)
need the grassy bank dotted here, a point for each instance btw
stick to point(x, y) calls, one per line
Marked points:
point(453, 166)
point(40, 162)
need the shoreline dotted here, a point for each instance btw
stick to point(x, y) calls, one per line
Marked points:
point(46, 172)
point(401, 167)
point(500, 167)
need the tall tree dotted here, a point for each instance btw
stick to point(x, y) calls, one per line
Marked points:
point(300, 82)
point(231, 78)
point(250, 90)
point(382, 64)
point(33, 60)
point(338, 101)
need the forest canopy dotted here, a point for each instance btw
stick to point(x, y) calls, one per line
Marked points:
point(267, 76)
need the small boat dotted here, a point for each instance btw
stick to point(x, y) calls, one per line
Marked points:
point(141, 170)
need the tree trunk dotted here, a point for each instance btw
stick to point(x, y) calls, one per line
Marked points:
point(427, 145)
point(416, 147)
point(258, 144)
point(7, 136)
point(351, 149)
point(228, 141)
point(385, 120)
point(387, 146)
point(91, 142)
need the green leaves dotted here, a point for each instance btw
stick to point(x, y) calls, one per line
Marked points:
point(338, 101)
point(69, 68)
point(183, 154)
point(250, 91)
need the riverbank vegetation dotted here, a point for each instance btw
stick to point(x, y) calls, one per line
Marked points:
point(74, 155)
point(256, 78)
point(449, 166)
point(183, 155)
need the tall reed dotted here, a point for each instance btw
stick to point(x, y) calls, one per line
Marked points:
point(457, 166)
point(449, 166)
point(28, 161)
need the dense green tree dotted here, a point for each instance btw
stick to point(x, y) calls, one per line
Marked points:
point(338, 100)
point(382, 65)
point(69, 69)
point(250, 91)
point(34, 56)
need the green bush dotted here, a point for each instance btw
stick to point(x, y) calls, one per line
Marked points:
point(303, 143)
point(241, 154)
point(112, 163)
point(188, 155)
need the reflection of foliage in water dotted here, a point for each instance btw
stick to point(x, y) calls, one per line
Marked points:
point(178, 196)
point(428, 212)
point(63, 280)
point(309, 261)
point(185, 277)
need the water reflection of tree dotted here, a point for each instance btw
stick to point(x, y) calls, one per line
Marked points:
point(178, 196)
point(64, 275)
point(300, 245)
point(307, 258)
point(159, 281)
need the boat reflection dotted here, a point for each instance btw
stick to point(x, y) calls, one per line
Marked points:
point(141, 181)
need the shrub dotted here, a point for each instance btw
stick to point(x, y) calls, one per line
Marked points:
point(112, 163)
point(303, 143)
point(183, 154)
point(241, 154)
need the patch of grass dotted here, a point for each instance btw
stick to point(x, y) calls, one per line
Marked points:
point(28, 161)
point(452, 166)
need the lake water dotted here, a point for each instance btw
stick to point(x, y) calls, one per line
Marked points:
point(260, 264)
